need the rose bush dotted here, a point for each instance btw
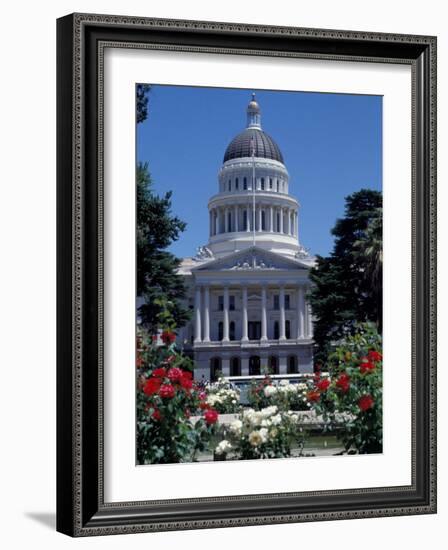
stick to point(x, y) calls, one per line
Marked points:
point(352, 400)
point(266, 433)
point(284, 395)
point(166, 398)
point(223, 397)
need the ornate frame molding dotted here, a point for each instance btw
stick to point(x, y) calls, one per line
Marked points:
point(82, 39)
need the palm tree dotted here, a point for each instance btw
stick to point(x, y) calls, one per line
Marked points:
point(368, 254)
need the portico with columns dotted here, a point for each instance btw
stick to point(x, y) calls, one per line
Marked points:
point(248, 286)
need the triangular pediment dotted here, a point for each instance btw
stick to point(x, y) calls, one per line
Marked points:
point(253, 259)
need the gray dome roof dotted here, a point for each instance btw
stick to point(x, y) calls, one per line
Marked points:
point(265, 146)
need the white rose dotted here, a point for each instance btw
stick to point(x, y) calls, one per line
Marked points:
point(268, 411)
point(223, 447)
point(276, 420)
point(236, 426)
point(255, 438)
point(264, 434)
point(284, 382)
point(269, 390)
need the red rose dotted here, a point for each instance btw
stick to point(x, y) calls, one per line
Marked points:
point(366, 365)
point(167, 391)
point(323, 385)
point(313, 396)
point(187, 374)
point(204, 405)
point(168, 337)
point(152, 386)
point(159, 373)
point(374, 356)
point(365, 402)
point(186, 383)
point(174, 374)
point(156, 415)
point(211, 416)
point(343, 382)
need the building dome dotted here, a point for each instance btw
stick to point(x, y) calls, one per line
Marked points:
point(253, 140)
point(264, 146)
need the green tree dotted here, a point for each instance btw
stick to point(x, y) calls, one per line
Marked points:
point(347, 284)
point(157, 279)
point(142, 99)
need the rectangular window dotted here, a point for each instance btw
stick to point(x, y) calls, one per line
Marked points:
point(276, 302)
point(262, 184)
point(245, 183)
point(270, 183)
point(287, 301)
point(230, 185)
point(220, 303)
point(232, 303)
point(236, 184)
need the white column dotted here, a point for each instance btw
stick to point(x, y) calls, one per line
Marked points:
point(259, 218)
point(216, 221)
point(226, 220)
point(225, 333)
point(244, 337)
point(271, 219)
point(300, 312)
point(309, 320)
point(297, 224)
point(197, 307)
point(288, 221)
point(281, 220)
point(206, 314)
point(282, 313)
point(247, 219)
point(264, 335)
point(235, 214)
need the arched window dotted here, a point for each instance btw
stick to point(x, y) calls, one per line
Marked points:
point(244, 183)
point(292, 365)
point(273, 365)
point(263, 220)
point(235, 366)
point(262, 184)
point(254, 365)
point(276, 330)
point(288, 329)
point(220, 331)
point(215, 368)
point(232, 330)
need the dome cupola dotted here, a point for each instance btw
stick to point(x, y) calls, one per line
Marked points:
point(253, 140)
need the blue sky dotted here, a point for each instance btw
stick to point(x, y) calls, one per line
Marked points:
point(331, 144)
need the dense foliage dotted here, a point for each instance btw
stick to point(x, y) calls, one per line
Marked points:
point(347, 285)
point(351, 399)
point(167, 397)
point(157, 280)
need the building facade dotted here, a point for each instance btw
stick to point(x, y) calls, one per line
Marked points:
point(248, 285)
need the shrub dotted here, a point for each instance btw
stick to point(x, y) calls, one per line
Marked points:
point(166, 398)
point(352, 399)
point(222, 397)
point(268, 433)
point(284, 395)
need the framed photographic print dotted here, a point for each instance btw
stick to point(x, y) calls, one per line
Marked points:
point(246, 274)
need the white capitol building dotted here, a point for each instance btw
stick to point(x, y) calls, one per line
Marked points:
point(248, 285)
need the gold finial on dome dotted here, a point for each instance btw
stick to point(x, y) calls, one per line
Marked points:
point(253, 113)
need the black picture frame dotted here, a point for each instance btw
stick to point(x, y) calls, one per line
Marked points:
point(81, 510)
